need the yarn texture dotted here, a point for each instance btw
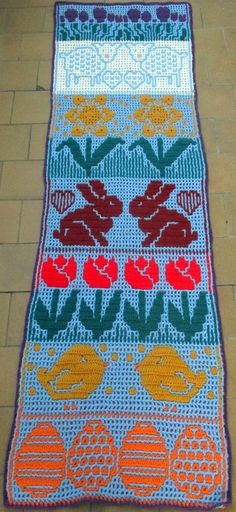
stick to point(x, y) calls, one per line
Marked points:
point(121, 393)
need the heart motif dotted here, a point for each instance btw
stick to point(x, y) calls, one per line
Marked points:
point(62, 200)
point(112, 79)
point(189, 200)
point(134, 78)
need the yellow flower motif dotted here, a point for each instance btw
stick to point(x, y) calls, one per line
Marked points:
point(89, 116)
point(158, 116)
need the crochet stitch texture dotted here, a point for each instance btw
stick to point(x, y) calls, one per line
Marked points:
point(121, 382)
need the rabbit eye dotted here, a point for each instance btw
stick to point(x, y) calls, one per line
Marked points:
point(160, 360)
point(83, 359)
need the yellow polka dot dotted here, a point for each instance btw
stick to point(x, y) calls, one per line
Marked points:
point(51, 351)
point(184, 123)
point(65, 134)
point(114, 356)
point(208, 351)
point(183, 131)
point(57, 129)
point(214, 370)
point(112, 99)
point(30, 367)
point(127, 127)
point(136, 134)
point(115, 122)
point(141, 348)
point(129, 117)
point(103, 347)
point(37, 347)
point(122, 134)
point(109, 390)
point(193, 354)
point(132, 390)
point(188, 102)
point(129, 357)
point(31, 391)
point(210, 395)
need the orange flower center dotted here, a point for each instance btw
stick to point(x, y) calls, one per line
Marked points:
point(89, 115)
point(158, 115)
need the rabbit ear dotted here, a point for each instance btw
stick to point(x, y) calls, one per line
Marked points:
point(86, 192)
point(98, 188)
point(153, 188)
point(165, 192)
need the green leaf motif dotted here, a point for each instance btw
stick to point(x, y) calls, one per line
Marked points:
point(162, 160)
point(51, 321)
point(183, 321)
point(139, 320)
point(93, 320)
point(90, 159)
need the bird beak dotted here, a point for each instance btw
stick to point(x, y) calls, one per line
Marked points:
point(105, 365)
point(136, 366)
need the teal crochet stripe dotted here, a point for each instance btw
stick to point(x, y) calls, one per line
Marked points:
point(121, 394)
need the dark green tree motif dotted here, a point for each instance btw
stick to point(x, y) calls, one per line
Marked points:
point(90, 159)
point(162, 160)
point(183, 321)
point(52, 321)
point(94, 320)
point(139, 320)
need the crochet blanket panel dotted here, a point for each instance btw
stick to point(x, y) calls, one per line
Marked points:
point(121, 389)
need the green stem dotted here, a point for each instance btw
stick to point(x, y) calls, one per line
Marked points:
point(54, 304)
point(186, 315)
point(98, 306)
point(88, 151)
point(160, 149)
point(142, 307)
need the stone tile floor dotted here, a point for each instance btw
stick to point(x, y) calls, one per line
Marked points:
point(25, 67)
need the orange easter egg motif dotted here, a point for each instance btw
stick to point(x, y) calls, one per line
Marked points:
point(92, 457)
point(143, 462)
point(195, 463)
point(40, 461)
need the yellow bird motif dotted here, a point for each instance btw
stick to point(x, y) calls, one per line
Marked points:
point(166, 376)
point(76, 374)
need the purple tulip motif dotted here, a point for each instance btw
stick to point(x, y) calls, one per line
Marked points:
point(62, 18)
point(99, 14)
point(83, 16)
point(174, 16)
point(71, 15)
point(182, 17)
point(118, 18)
point(146, 16)
point(163, 13)
point(111, 17)
point(134, 15)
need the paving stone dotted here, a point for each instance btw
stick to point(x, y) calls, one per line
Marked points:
point(31, 107)
point(3, 13)
point(209, 135)
point(222, 104)
point(9, 357)
point(230, 352)
point(24, 20)
point(224, 251)
point(6, 419)
point(218, 215)
point(17, 315)
point(222, 176)
point(30, 221)
point(18, 75)
point(9, 221)
point(227, 310)
point(6, 99)
point(226, 134)
point(4, 313)
point(48, 21)
point(22, 180)
point(9, 46)
point(38, 141)
point(14, 142)
point(17, 264)
point(44, 75)
point(230, 207)
point(230, 38)
point(36, 47)
point(217, 14)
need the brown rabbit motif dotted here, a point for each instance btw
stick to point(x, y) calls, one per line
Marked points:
point(165, 227)
point(87, 225)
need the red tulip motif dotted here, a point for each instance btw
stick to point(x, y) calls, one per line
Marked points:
point(141, 274)
point(59, 272)
point(183, 274)
point(100, 273)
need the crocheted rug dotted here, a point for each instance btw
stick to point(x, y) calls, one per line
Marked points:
point(121, 392)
